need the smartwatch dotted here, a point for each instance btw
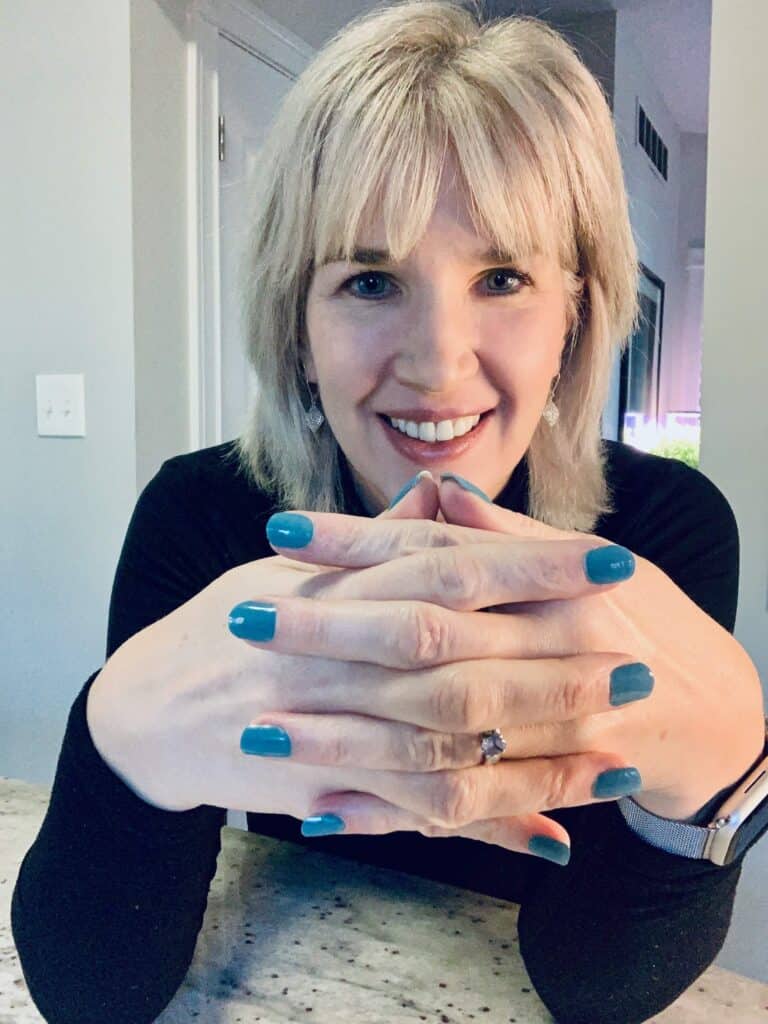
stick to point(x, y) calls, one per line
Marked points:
point(739, 820)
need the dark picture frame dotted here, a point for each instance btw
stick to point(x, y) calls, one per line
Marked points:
point(640, 372)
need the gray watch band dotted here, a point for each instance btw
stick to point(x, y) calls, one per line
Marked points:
point(672, 836)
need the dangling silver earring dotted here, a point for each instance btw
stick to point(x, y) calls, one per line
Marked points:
point(313, 416)
point(551, 413)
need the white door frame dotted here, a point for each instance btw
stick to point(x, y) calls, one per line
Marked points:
point(256, 32)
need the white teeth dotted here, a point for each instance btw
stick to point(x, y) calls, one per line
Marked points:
point(445, 430)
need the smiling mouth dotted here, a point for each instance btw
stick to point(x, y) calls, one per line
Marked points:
point(430, 439)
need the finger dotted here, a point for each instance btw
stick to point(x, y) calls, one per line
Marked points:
point(354, 542)
point(480, 575)
point(403, 634)
point(463, 507)
point(362, 813)
point(453, 799)
point(343, 740)
point(417, 500)
point(513, 695)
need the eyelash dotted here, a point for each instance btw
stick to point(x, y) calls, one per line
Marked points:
point(524, 280)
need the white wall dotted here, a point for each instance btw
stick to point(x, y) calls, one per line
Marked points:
point(158, 161)
point(94, 279)
point(735, 369)
point(653, 202)
point(67, 307)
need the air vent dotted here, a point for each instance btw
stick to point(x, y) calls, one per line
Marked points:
point(651, 142)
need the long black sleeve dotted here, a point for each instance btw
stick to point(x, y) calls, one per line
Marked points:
point(110, 897)
point(625, 928)
point(109, 900)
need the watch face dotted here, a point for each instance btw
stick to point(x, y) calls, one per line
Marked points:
point(749, 833)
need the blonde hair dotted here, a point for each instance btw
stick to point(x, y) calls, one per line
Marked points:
point(367, 126)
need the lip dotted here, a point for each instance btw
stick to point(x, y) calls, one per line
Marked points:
point(426, 452)
point(451, 412)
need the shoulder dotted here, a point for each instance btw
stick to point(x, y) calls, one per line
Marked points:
point(650, 490)
point(673, 515)
point(211, 474)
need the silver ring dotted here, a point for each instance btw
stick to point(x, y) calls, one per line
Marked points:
point(492, 746)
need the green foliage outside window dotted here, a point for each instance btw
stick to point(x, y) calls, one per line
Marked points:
point(685, 451)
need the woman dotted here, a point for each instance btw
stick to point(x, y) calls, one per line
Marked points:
point(440, 236)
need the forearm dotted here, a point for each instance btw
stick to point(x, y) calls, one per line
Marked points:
point(624, 929)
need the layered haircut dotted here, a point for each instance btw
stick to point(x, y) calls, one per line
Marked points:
point(366, 127)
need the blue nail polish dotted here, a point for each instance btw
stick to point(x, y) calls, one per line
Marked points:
point(609, 564)
point(404, 490)
point(552, 849)
point(253, 620)
point(289, 530)
point(466, 485)
point(630, 682)
point(266, 740)
point(322, 825)
point(617, 782)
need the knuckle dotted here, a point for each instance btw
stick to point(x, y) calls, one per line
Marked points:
point(452, 577)
point(572, 694)
point(424, 751)
point(557, 786)
point(337, 751)
point(425, 640)
point(454, 800)
point(426, 533)
point(553, 571)
point(450, 701)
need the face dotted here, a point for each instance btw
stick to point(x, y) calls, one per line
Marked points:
point(447, 333)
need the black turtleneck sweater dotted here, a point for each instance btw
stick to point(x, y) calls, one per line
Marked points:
point(110, 897)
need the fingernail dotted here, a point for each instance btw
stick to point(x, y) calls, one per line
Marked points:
point(552, 849)
point(322, 825)
point(466, 485)
point(630, 682)
point(266, 740)
point(253, 620)
point(408, 487)
point(289, 530)
point(609, 564)
point(617, 782)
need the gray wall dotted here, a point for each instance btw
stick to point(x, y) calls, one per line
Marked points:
point(67, 307)
point(94, 281)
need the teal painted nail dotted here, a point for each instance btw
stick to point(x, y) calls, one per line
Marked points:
point(289, 530)
point(617, 782)
point(253, 620)
point(630, 682)
point(609, 564)
point(552, 849)
point(266, 740)
point(322, 825)
point(466, 485)
point(405, 488)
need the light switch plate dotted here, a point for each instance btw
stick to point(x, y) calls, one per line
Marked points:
point(60, 404)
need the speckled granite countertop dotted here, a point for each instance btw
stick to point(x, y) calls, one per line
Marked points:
point(385, 946)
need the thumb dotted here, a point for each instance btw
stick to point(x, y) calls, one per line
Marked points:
point(418, 499)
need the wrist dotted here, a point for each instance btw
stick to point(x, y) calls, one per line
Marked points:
point(688, 807)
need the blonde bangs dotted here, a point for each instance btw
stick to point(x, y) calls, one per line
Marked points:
point(393, 144)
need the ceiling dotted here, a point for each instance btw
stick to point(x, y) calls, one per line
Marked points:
point(671, 36)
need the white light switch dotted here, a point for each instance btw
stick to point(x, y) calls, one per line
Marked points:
point(60, 404)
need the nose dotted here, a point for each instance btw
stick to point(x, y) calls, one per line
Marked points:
point(438, 353)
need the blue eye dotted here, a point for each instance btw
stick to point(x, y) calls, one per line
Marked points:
point(366, 277)
point(373, 276)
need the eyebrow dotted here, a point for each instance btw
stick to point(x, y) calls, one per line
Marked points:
point(377, 256)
